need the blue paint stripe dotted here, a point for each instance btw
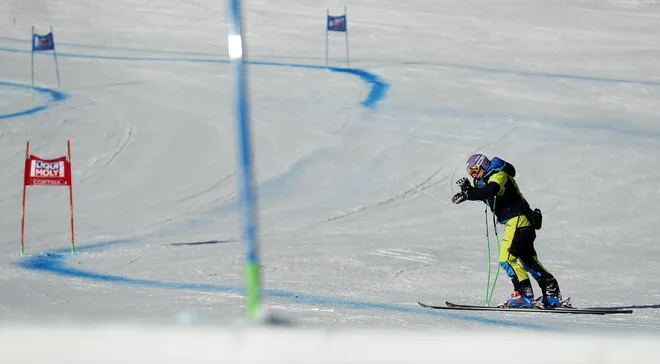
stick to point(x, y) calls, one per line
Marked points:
point(377, 91)
point(153, 51)
point(482, 69)
point(55, 263)
point(110, 48)
point(119, 58)
point(378, 87)
point(504, 71)
point(24, 112)
point(54, 96)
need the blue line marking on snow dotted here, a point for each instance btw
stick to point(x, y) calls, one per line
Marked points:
point(378, 85)
point(504, 71)
point(55, 96)
point(111, 48)
point(55, 263)
point(482, 69)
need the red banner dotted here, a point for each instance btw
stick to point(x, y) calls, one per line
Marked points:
point(47, 172)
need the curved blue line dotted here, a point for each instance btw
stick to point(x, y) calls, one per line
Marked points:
point(378, 87)
point(377, 92)
point(55, 263)
point(55, 96)
point(483, 69)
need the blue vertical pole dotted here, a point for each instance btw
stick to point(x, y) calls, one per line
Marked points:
point(327, 14)
point(57, 68)
point(346, 31)
point(247, 199)
point(32, 57)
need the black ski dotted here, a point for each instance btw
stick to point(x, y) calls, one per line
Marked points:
point(578, 311)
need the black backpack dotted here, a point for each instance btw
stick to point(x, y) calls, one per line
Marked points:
point(535, 218)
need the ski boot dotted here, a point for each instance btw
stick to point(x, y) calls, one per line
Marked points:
point(517, 300)
point(553, 302)
point(551, 297)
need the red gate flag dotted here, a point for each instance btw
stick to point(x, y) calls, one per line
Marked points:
point(47, 172)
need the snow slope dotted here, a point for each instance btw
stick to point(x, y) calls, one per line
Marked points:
point(355, 169)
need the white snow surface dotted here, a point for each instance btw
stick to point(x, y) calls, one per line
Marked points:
point(354, 178)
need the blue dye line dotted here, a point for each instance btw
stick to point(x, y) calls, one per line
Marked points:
point(481, 69)
point(54, 96)
point(504, 71)
point(378, 87)
point(111, 48)
point(55, 263)
point(377, 92)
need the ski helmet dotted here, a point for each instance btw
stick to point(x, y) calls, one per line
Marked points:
point(475, 162)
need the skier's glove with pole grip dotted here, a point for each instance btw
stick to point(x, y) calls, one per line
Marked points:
point(459, 197)
point(464, 184)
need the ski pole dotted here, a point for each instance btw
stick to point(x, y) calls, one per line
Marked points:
point(488, 250)
point(497, 239)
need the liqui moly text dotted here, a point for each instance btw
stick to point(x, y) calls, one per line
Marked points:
point(46, 169)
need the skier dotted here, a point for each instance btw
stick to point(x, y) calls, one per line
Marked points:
point(494, 183)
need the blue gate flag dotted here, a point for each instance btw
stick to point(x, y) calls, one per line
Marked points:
point(43, 42)
point(337, 23)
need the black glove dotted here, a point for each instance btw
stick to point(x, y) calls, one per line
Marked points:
point(464, 184)
point(459, 197)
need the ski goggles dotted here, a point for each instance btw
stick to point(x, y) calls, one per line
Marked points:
point(473, 171)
